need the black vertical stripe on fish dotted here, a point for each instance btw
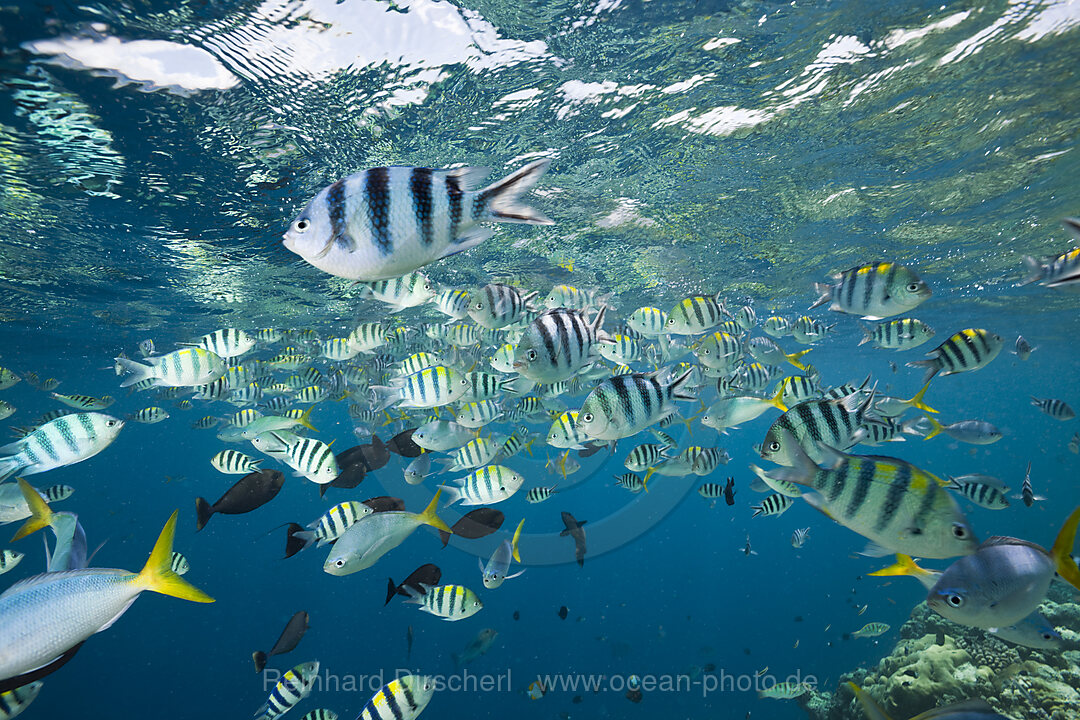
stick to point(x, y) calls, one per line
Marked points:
point(377, 197)
point(863, 483)
point(868, 286)
point(647, 399)
point(581, 331)
point(697, 311)
point(335, 210)
point(839, 477)
point(562, 320)
point(927, 505)
point(392, 703)
point(894, 496)
point(423, 202)
point(407, 692)
point(544, 326)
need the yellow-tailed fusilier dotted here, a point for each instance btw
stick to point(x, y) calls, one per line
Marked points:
point(874, 291)
point(403, 698)
point(64, 441)
point(45, 618)
point(897, 506)
point(181, 368)
point(430, 388)
point(450, 602)
point(294, 686)
point(627, 404)
point(387, 221)
point(488, 485)
point(965, 351)
point(902, 334)
point(559, 343)
point(372, 536)
point(495, 571)
point(732, 412)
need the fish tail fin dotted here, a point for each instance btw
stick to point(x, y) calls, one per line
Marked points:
point(428, 517)
point(157, 575)
point(645, 481)
point(932, 368)
point(904, 565)
point(502, 198)
point(137, 371)
point(1034, 270)
point(1061, 551)
point(391, 590)
point(384, 396)
point(305, 419)
point(935, 428)
point(10, 465)
point(40, 512)
point(793, 358)
point(872, 709)
point(203, 513)
point(868, 334)
point(824, 291)
point(917, 400)
point(514, 542)
point(259, 658)
point(676, 387)
point(777, 399)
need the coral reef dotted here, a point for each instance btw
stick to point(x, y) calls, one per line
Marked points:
point(937, 662)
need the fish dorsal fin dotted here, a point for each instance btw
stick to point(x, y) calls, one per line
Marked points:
point(1006, 540)
point(972, 706)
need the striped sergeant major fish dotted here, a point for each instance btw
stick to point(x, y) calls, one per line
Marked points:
point(453, 302)
point(902, 334)
point(402, 698)
point(9, 378)
point(1063, 269)
point(777, 327)
point(1027, 493)
point(368, 337)
point(518, 441)
point(225, 343)
point(647, 321)
point(990, 495)
point(181, 368)
point(1057, 409)
point(540, 494)
point(294, 686)
point(84, 402)
point(450, 602)
point(233, 462)
point(811, 427)
point(965, 351)
point(559, 343)
point(1023, 348)
point(620, 349)
point(86, 601)
point(775, 504)
point(876, 290)
point(149, 415)
point(629, 481)
point(409, 290)
point(488, 485)
point(485, 386)
point(9, 559)
point(310, 458)
point(745, 318)
point(388, 221)
point(564, 433)
point(338, 349)
point(496, 306)
point(895, 505)
point(431, 387)
point(695, 315)
point(179, 564)
point(720, 351)
point(627, 404)
point(58, 443)
point(13, 702)
point(333, 523)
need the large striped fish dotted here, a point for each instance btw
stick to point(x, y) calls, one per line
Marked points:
point(388, 221)
point(627, 404)
point(402, 698)
point(180, 368)
point(897, 506)
point(64, 441)
point(812, 427)
point(559, 343)
point(965, 351)
point(876, 290)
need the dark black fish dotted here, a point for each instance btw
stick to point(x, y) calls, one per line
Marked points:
point(289, 639)
point(709, 667)
point(575, 530)
point(517, 614)
point(293, 544)
point(385, 503)
point(563, 612)
point(349, 477)
point(372, 456)
point(252, 491)
point(590, 450)
point(729, 491)
point(479, 523)
point(577, 699)
point(428, 574)
point(403, 445)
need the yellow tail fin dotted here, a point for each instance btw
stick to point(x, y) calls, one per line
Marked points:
point(917, 401)
point(793, 358)
point(428, 517)
point(305, 419)
point(157, 575)
point(872, 710)
point(1061, 552)
point(40, 512)
point(777, 400)
point(514, 542)
point(645, 482)
point(935, 428)
point(904, 566)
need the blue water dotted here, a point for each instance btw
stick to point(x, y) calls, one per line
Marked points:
point(154, 209)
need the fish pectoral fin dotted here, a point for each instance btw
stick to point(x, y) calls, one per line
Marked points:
point(467, 240)
point(873, 549)
point(520, 572)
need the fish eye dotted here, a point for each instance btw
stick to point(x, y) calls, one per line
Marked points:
point(302, 224)
point(914, 287)
point(339, 563)
point(959, 531)
point(531, 355)
point(494, 576)
point(587, 417)
point(774, 445)
point(955, 600)
point(110, 423)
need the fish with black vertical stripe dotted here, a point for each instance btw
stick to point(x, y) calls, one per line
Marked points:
point(387, 221)
point(403, 698)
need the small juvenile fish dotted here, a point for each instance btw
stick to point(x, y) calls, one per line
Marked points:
point(539, 494)
point(784, 691)
point(630, 481)
point(9, 559)
point(494, 573)
point(408, 290)
point(1027, 494)
point(418, 469)
point(1074, 444)
point(876, 290)
point(1057, 409)
point(232, 462)
point(6, 410)
point(775, 504)
point(1058, 271)
point(799, 537)
point(870, 630)
point(989, 496)
point(180, 564)
point(1023, 348)
point(84, 402)
point(450, 602)
point(902, 334)
point(149, 415)
point(711, 491)
point(7, 378)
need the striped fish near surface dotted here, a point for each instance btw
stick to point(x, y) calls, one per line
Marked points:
point(181, 368)
point(403, 698)
point(387, 221)
point(1063, 269)
point(876, 290)
point(627, 404)
point(496, 306)
point(559, 343)
point(965, 351)
point(225, 343)
point(1057, 409)
point(816, 425)
point(294, 686)
point(409, 290)
point(902, 334)
point(897, 506)
point(333, 523)
point(695, 315)
point(450, 602)
point(431, 387)
point(58, 443)
point(648, 321)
